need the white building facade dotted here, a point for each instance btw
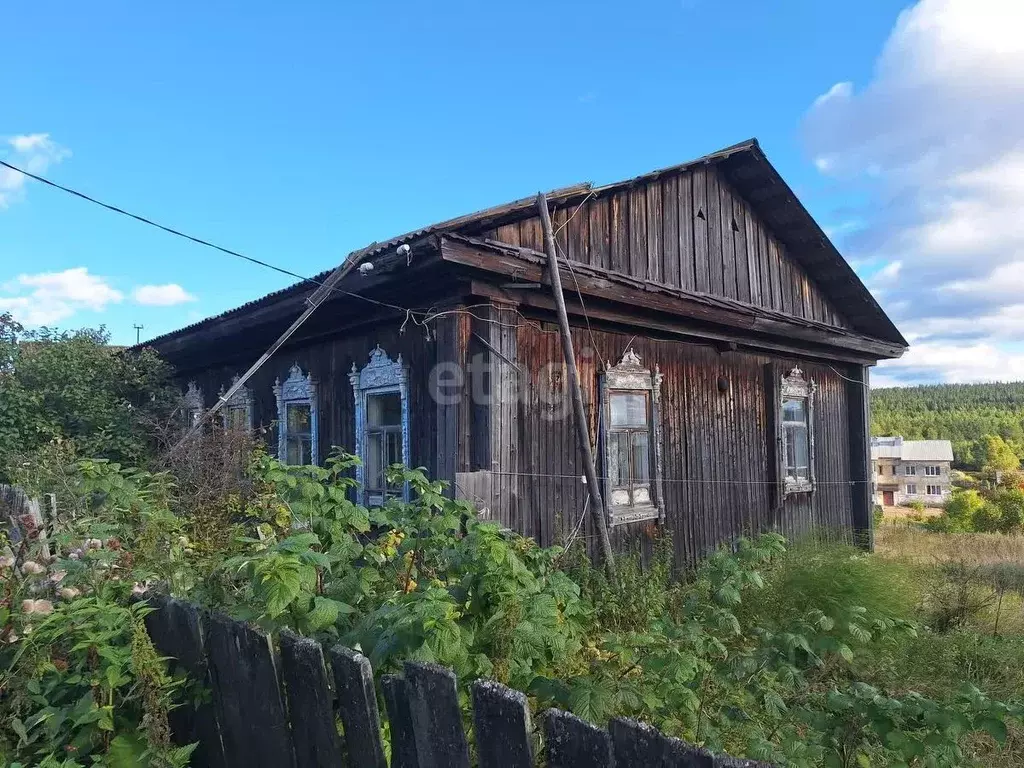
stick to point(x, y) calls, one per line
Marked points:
point(911, 470)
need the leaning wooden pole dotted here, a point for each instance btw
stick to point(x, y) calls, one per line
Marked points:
point(579, 414)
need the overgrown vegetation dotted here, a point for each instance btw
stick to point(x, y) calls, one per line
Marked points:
point(800, 654)
point(795, 657)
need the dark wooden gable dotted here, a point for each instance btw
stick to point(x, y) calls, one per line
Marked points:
point(690, 229)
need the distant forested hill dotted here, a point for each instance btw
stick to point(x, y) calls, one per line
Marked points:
point(962, 413)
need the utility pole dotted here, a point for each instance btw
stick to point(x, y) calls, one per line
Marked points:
point(138, 332)
point(579, 413)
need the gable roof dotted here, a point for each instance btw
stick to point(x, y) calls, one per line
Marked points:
point(744, 165)
point(911, 450)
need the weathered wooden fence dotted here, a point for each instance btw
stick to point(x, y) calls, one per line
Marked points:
point(270, 708)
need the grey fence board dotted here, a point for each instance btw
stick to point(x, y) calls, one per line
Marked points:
point(246, 692)
point(310, 703)
point(403, 740)
point(574, 743)
point(176, 631)
point(357, 705)
point(436, 717)
point(264, 714)
point(501, 720)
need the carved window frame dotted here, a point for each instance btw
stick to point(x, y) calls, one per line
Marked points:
point(794, 386)
point(240, 401)
point(194, 404)
point(630, 376)
point(297, 389)
point(380, 376)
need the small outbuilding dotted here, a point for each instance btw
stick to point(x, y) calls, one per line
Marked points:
point(723, 347)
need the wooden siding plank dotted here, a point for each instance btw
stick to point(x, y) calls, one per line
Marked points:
point(638, 232)
point(508, 233)
point(739, 216)
point(729, 286)
point(687, 258)
point(670, 231)
point(599, 232)
point(714, 211)
point(619, 223)
point(753, 257)
point(578, 234)
point(701, 227)
point(655, 217)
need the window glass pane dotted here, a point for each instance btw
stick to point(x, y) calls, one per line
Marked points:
point(629, 409)
point(298, 419)
point(374, 461)
point(297, 450)
point(384, 410)
point(641, 459)
point(797, 451)
point(618, 455)
point(392, 447)
point(794, 409)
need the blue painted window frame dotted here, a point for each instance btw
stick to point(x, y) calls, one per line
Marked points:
point(297, 389)
point(380, 376)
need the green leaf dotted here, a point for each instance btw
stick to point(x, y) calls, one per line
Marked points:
point(326, 612)
point(995, 728)
point(126, 751)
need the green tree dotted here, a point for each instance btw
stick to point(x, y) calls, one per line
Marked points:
point(75, 386)
point(999, 457)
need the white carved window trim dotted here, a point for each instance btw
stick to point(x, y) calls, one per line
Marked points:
point(380, 376)
point(194, 405)
point(795, 387)
point(629, 376)
point(240, 401)
point(297, 389)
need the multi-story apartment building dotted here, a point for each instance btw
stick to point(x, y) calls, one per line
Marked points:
point(911, 470)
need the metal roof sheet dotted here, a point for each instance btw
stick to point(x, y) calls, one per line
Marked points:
point(912, 450)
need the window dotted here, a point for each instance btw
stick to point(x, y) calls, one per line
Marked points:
point(933, 471)
point(797, 433)
point(881, 469)
point(297, 430)
point(193, 405)
point(630, 436)
point(910, 470)
point(381, 392)
point(629, 448)
point(911, 488)
point(934, 490)
point(237, 412)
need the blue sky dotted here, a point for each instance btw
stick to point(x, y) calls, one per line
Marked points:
point(298, 132)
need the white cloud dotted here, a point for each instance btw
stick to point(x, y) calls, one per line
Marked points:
point(34, 152)
point(47, 298)
point(162, 295)
point(934, 140)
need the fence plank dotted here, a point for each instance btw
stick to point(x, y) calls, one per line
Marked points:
point(357, 704)
point(310, 705)
point(641, 744)
point(403, 740)
point(575, 743)
point(501, 719)
point(436, 719)
point(176, 631)
point(247, 695)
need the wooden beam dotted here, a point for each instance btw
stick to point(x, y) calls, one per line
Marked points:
point(673, 329)
point(579, 413)
point(858, 396)
point(608, 286)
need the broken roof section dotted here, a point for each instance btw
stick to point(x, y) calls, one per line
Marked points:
point(744, 165)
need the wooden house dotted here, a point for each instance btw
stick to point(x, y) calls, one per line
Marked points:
point(722, 342)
